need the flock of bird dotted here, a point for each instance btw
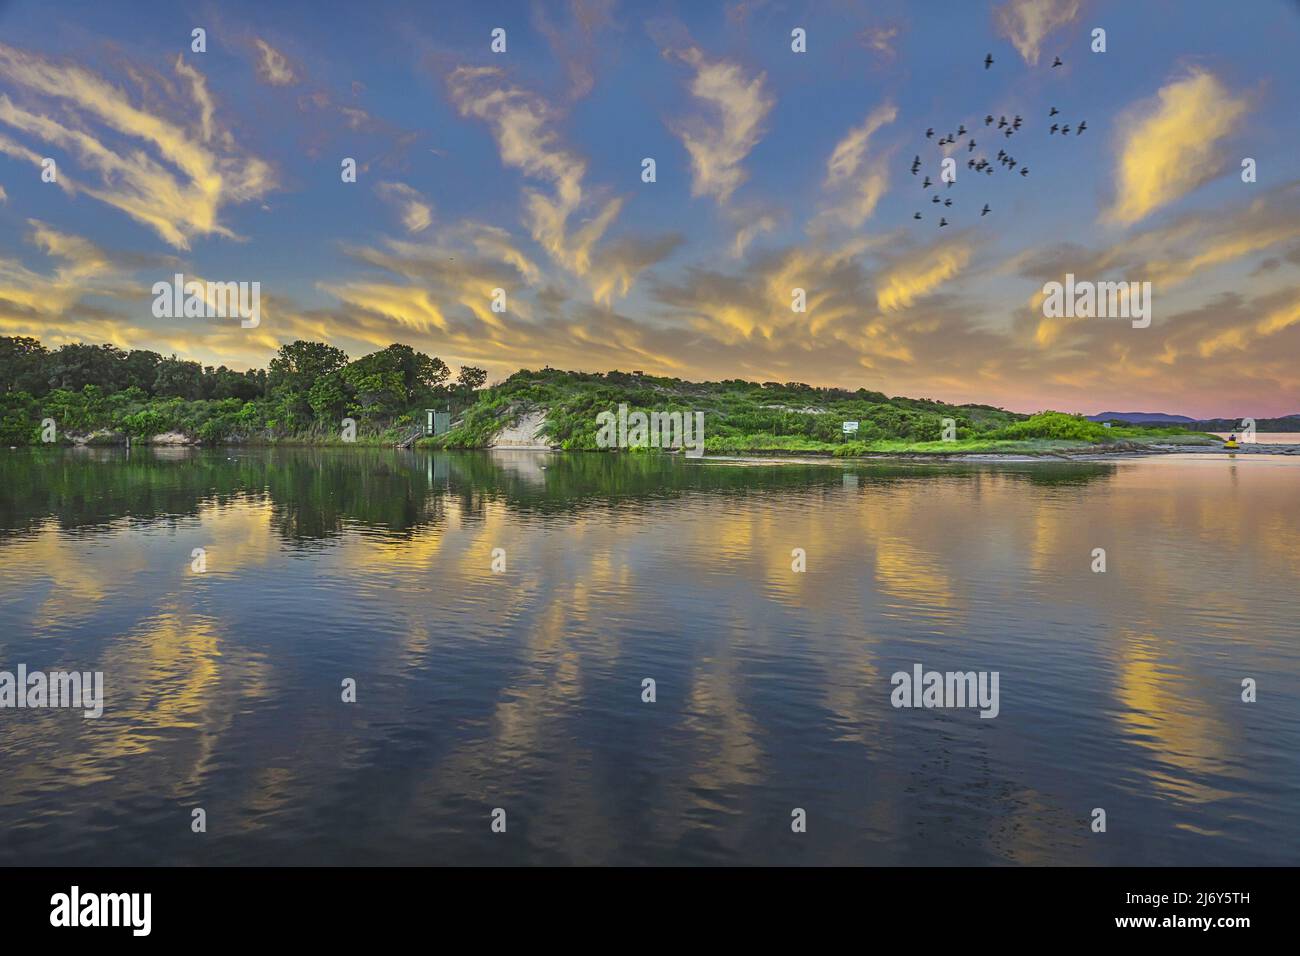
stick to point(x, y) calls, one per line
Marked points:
point(1008, 128)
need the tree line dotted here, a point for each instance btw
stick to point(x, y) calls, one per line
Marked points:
point(307, 388)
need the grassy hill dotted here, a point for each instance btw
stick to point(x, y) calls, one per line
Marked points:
point(748, 417)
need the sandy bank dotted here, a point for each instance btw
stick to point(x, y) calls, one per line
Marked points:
point(524, 434)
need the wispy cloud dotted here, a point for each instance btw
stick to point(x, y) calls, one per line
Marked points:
point(901, 286)
point(577, 44)
point(1170, 145)
point(718, 141)
point(415, 210)
point(1027, 23)
point(59, 305)
point(1239, 338)
point(273, 67)
point(881, 40)
point(846, 159)
point(750, 223)
point(854, 184)
point(522, 124)
point(160, 167)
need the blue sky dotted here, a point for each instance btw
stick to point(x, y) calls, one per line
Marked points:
point(775, 170)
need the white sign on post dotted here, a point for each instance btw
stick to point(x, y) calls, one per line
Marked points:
point(850, 427)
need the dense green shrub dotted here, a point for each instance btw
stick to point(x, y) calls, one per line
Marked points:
point(1055, 425)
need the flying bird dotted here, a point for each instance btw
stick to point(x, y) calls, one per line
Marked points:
point(1065, 129)
point(1015, 124)
point(988, 60)
point(1055, 127)
point(1024, 170)
point(916, 216)
point(1082, 127)
point(985, 210)
point(1053, 113)
point(935, 199)
point(988, 120)
point(1057, 63)
point(916, 164)
point(946, 202)
point(1002, 122)
point(971, 148)
point(929, 133)
point(927, 184)
point(961, 129)
point(942, 222)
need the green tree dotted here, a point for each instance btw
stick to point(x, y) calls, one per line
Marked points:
point(396, 379)
point(329, 397)
point(178, 378)
point(471, 378)
point(23, 363)
point(140, 369)
point(296, 367)
point(18, 416)
point(77, 365)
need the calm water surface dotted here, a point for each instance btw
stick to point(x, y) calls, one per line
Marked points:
point(522, 690)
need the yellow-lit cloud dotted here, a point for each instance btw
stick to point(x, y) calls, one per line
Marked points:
point(854, 183)
point(84, 269)
point(178, 191)
point(849, 153)
point(522, 125)
point(719, 144)
point(1242, 336)
point(901, 286)
point(1171, 145)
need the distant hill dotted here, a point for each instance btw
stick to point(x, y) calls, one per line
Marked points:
point(1287, 423)
point(1141, 418)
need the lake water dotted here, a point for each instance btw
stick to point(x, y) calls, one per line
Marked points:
point(522, 690)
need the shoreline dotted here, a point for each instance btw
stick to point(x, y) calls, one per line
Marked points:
point(756, 458)
point(1083, 455)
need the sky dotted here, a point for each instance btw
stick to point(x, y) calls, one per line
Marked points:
point(774, 170)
